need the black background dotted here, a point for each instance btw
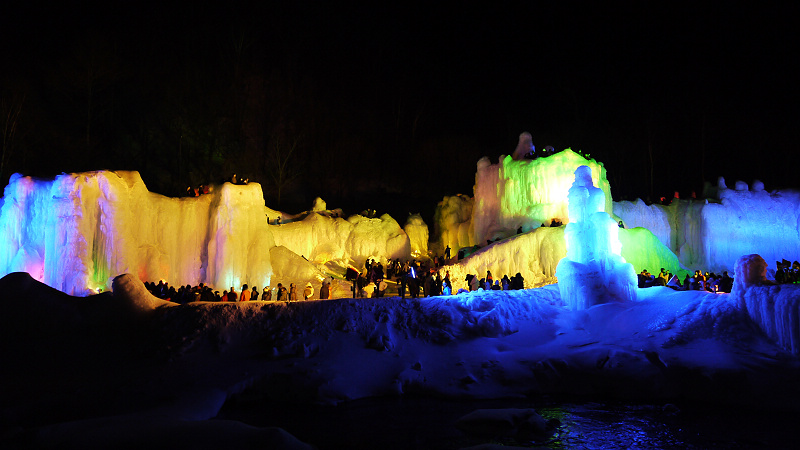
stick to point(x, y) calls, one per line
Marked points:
point(390, 106)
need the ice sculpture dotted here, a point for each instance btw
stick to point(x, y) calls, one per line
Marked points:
point(593, 271)
point(525, 147)
point(514, 194)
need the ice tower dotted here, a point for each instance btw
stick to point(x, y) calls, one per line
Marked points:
point(593, 272)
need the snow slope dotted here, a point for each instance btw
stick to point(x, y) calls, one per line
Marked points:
point(127, 361)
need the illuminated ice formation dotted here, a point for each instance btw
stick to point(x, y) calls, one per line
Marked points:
point(524, 147)
point(711, 234)
point(322, 239)
point(78, 231)
point(535, 255)
point(504, 194)
point(774, 307)
point(513, 194)
point(417, 232)
point(593, 271)
point(452, 222)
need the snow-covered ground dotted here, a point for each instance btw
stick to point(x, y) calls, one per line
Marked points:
point(124, 368)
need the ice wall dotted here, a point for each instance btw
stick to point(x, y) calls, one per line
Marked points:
point(593, 271)
point(643, 250)
point(525, 193)
point(536, 254)
point(78, 231)
point(712, 234)
point(417, 232)
point(452, 223)
point(322, 239)
point(533, 255)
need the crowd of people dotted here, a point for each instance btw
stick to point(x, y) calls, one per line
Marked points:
point(204, 293)
point(699, 281)
point(787, 272)
point(206, 188)
point(415, 278)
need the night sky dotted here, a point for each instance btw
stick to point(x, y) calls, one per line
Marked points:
point(390, 106)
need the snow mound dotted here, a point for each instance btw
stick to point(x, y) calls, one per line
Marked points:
point(774, 307)
point(131, 292)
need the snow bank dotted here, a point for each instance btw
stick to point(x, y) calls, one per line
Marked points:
point(774, 307)
point(78, 231)
point(83, 376)
point(130, 291)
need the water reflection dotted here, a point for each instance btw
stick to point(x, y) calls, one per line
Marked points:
point(424, 423)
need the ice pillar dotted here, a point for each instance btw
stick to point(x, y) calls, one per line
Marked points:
point(593, 272)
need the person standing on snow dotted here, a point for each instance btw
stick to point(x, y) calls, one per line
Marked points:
point(308, 291)
point(324, 291)
point(245, 294)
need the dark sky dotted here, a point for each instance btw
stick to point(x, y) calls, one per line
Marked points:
point(398, 102)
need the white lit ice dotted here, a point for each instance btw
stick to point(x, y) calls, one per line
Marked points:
point(593, 272)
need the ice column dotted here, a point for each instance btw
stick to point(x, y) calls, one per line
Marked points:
point(593, 272)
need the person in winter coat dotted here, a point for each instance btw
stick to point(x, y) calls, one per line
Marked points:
point(381, 288)
point(282, 293)
point(292, 292)
point(254, 294)
point(308, 291)
point(505, 282)
point(324, 291)
point(245, 294)
point(474, 283)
